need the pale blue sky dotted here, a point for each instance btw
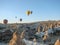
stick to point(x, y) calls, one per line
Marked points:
point(42, 10)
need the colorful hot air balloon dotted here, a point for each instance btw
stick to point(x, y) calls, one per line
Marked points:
point(5, 21)
point(28, 12)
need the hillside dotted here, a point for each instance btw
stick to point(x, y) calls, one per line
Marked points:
point(7, 30)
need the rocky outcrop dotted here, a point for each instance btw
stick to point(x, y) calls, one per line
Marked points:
point(16, 40)
point(5, 35)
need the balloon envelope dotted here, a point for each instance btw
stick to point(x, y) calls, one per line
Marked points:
point(28, 12)
point(20, 19)
point(5, 21)
point(15, 16)
point(31, 12)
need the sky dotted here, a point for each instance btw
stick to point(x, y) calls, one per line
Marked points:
point(42, 10)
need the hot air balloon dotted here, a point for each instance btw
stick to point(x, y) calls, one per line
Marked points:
point(28, 12)
point(5, 21)
point(20, 19)
point(15, 16)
